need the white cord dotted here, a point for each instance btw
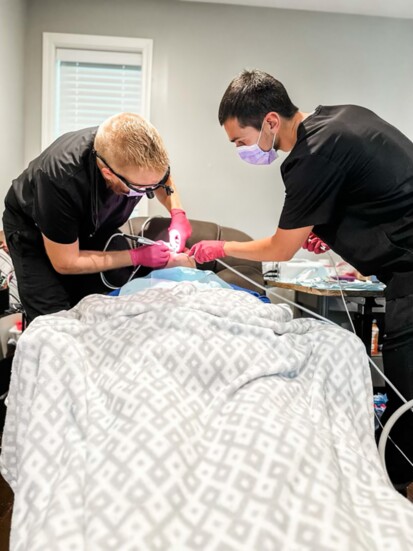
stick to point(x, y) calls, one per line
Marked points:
point(382, 454)
point(121, 234)
point(102, 276)
point(406, 406)
point(341, 292)
point(354, 331)
point(386, 431)
point(266, 290)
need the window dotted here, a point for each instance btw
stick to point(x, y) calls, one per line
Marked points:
point(86, 79)
point(92, 86)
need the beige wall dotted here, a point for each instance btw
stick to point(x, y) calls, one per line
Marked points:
point(198, 48)
point(12, 32)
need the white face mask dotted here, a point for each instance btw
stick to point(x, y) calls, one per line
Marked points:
point(254, 155)
point(133, 193)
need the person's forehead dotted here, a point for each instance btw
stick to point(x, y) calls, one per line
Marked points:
point(146, 171)
point(235, 131)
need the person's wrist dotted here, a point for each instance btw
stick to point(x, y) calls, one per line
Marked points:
point(175, 211)
point(135, 256)
point(222, 249)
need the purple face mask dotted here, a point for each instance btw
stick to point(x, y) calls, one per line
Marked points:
point(254, 155)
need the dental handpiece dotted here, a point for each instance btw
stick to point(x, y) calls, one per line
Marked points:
point(140, 239)
point(173, 244)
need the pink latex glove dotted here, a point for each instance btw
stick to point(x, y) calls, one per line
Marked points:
point(179, 229)
point(315, 245)
point(153, 256)
point(207, 251)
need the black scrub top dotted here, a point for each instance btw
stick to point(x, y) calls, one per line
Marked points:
point(350, 175)
point(64, 195)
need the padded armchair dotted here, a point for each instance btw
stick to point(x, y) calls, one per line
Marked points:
point(157, 228)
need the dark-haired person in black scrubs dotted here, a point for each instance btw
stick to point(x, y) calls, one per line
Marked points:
point(60, 211)
point(349, 186)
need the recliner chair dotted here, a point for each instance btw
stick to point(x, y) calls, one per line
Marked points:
point(157, 228)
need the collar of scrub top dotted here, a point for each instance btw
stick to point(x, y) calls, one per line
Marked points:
point(148, 190)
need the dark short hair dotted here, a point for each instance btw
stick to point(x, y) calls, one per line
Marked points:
point(253, 94)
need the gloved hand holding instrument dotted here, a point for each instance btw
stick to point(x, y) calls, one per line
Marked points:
point(179, 230)
point(154, 254)
point(207, 251)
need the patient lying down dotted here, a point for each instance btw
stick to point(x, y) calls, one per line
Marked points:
point(179, 269)
point(191, 416)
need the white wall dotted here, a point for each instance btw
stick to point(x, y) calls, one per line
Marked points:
point(12, 28)
point(198, 48)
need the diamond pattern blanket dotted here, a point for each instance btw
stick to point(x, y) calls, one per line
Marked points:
point(194, 419)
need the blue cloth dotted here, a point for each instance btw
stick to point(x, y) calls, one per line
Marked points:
point(170, 274)
point(263, 298)
point(180, 274)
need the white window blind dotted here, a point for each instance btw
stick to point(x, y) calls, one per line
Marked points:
point(92, 85)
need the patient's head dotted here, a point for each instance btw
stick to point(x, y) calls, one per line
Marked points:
point(181, 259)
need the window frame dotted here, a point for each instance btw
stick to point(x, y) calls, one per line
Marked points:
point(53, 41)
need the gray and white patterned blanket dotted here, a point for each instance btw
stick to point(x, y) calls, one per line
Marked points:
point(195, 419)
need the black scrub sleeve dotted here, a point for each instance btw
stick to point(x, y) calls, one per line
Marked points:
point(57, 209)
point(312, 184)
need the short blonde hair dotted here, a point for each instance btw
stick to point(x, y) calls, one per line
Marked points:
point(127, 139)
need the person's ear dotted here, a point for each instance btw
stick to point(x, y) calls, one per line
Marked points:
point(106, 173)
point(273, 121)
